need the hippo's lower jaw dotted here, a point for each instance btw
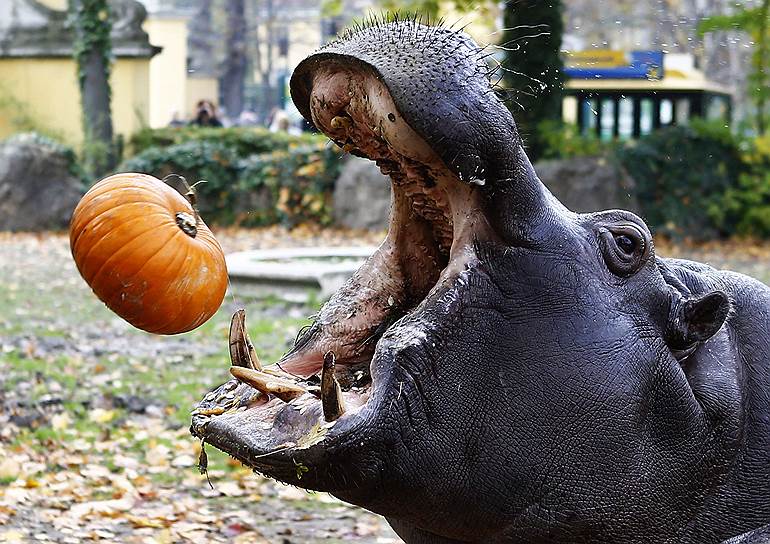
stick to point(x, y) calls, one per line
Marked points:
point(306, 438)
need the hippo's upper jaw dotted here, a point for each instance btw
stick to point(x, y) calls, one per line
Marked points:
point(501, 369)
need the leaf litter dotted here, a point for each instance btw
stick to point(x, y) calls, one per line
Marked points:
point(94, 443)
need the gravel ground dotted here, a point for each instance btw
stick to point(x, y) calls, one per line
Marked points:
point(93, 413)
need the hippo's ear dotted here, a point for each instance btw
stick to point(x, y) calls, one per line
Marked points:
point(696, 319)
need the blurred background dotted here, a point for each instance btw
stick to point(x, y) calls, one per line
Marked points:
point(661, 107)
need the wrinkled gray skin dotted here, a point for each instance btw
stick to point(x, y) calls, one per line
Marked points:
point(537, 375)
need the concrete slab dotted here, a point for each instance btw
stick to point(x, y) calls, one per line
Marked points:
point(295, 274)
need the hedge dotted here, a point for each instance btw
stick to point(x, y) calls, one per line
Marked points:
point(243, 141)
point(701, 181)
point(289, 186)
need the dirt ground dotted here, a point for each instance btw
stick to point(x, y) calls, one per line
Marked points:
point(94, 414)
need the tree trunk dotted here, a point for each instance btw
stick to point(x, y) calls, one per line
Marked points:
point(763, 67)
point(234, 74)
point(201, 41)
point(92, 25)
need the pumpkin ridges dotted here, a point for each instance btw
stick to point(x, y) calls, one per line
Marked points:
point(97, 246)
point(113, 189)
point(181, 307)
point(188, 302)
point(79, 230)
point(145, 313)
point(125, 249)
point(115, 299)
point(199, 297)
point(187, 295)
point(96, 228)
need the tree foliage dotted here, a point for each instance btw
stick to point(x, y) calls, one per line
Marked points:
point(754, 20)
point(533, 69)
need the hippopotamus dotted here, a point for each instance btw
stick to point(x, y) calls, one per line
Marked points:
point(501, 369)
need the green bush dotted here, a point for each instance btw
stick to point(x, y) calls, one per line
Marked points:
point(562, 141)
point(745, 209)
point(290, 186)
point(299, 183)
point(243, 141)
point(194, 160)
point(683, 177)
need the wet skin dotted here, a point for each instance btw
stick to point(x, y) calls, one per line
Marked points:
point(502, 369)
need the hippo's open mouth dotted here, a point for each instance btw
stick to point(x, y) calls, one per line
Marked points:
point(275, 418)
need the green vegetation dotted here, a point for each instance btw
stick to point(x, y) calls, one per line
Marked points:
point(92, 51)
point(701, 181)
point(254, 177)
point(562, 141)
point(242, 141)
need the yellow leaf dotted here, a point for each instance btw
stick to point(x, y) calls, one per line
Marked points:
point(12, 536)
point(99, 415)
point(139, 522)
point(61, 421)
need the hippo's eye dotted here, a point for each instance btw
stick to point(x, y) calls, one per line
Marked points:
point(625, 247)
point(625, 243)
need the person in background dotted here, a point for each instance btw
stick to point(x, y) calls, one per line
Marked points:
point(206, 115)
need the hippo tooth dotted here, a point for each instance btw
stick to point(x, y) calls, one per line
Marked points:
point(270, 385)
point(331, 394)
point(341, 121)
point(242, 352)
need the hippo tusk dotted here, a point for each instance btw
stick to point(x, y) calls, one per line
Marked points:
point(331, 394)
point(268, 384)
point(242, 352)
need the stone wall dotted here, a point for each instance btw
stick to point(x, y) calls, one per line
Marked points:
point(589, 184)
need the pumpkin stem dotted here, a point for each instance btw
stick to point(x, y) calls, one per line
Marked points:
point(187, 223)
point(189, 227)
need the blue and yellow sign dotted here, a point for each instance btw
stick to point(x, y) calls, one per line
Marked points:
point(610, 64)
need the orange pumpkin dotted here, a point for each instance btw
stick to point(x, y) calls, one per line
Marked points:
point(147, 255)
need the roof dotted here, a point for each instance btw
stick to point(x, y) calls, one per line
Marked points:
point(679, 74)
